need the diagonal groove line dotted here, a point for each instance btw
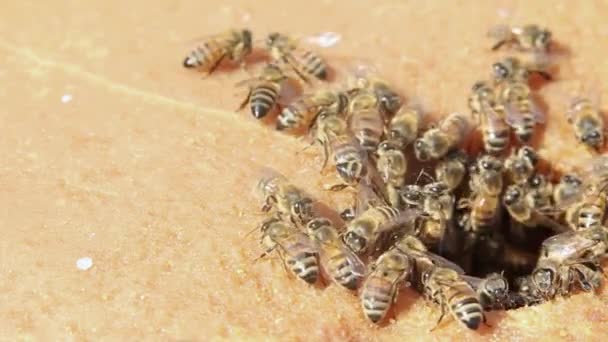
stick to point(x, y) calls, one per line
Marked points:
point(96, 79)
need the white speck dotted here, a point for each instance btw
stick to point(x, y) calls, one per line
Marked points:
point(84, 264)
point(503, 12)
point(326, 39)
point(66, 98)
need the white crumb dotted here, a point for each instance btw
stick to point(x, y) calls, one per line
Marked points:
point(84, 263)
point(66, 98)
point(326, 39)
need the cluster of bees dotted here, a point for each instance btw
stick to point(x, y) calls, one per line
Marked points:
point(493, 230)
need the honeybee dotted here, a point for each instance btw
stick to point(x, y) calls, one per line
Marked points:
point(365, 120)
point(486, 175)
point(364, 231)
point(302, 112)
point(587, 122)
point(264, 91)
point(589, 212)
point(522, 112)
point(484, 212)
point(451, 169)
point(303, 62)
point(403, 127)
point(364, 78)
point(438, 202)
point(446, 287)
point(490, 118)
point(539, 192)
point(567, 258)
point(392, 166)
point(567, 191)
point(284, 198)
point(387, 274)
point(524, 212)
point(513, 69)
point(438, 141)
point(294, 247)
point(526, 38)
point(234, 44)
point(527, 294)
point(493, 291)
point(520, 165)
point(340, 263)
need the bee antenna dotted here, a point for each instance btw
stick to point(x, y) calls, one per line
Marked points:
point(424, 173)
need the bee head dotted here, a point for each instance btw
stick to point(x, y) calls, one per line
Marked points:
point(316, 223)
point(497, 286)
point(543, 279)
point(512, 195)
point(411, 194)
point(529, 153)
point(421, 149)
point(435, 189)
point(536, 181)
point(500, 71)
point(592, 138)
point(543, 39)
point(572, 180)
point(302, 209)
point(355, 242)
point(266, 225)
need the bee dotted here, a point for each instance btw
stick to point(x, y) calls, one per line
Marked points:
point(284, 198)
point(524, 212)
point(587, 122)
point(339, 262)
point(447, 288)
point(392, 166)
point(438, 201)
point(567, 191)
point(451, 169)
point(438, 141)
point(264, 91)
point(589, 212)
point(520, 165)
point(305, 63)
point(403, 127)
point(365, 120)
point(539, 192)
point(387, 274)
point(493, 291)
point(486, 175)
point(484, 212)
point(522, 113)
point(527, 294)
point(301, 113)
point(566, 256)
point(513, 69)
point(364, 78)
point(364, 231)
point(526, 38)
point(490, 118)
point(294, 247)
point(234, 44)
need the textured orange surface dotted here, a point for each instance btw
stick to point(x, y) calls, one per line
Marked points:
point(148, 171)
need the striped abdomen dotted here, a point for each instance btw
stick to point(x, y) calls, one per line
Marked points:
point(350, 160)
point(263, 98)
point(298, 114)
point(341, 270)
point(495, 141)
point(367, 126)
point(591, 215)
point(206, 56)
point(464, 304)
point(311, 64)
point(302, 261)
point(377, 296)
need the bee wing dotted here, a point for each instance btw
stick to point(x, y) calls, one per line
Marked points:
point(443, 262)
point(299, 242)
point(568, 245)
point(494, 119)
point(357, 267)
point(406, 220)
point(537, 113)
point(514, 116)
point(474, 282)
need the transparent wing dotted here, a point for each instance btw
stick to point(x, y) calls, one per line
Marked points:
point(537, 112)
point(405, 220)
point(495, 121)
point(513, 116)
point(325, 39)
point(356, 266)
point(501, 31)
point(443, 262)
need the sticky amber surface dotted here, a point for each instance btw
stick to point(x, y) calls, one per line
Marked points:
point(110, 150)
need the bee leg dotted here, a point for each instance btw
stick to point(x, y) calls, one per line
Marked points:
point(246, 101)
point(217, 64)
point(498, 45)
point(440, 318)
point(337, 187)
point(298, 72)
point(485, 320)
point(325, 156)
point(270, 200)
